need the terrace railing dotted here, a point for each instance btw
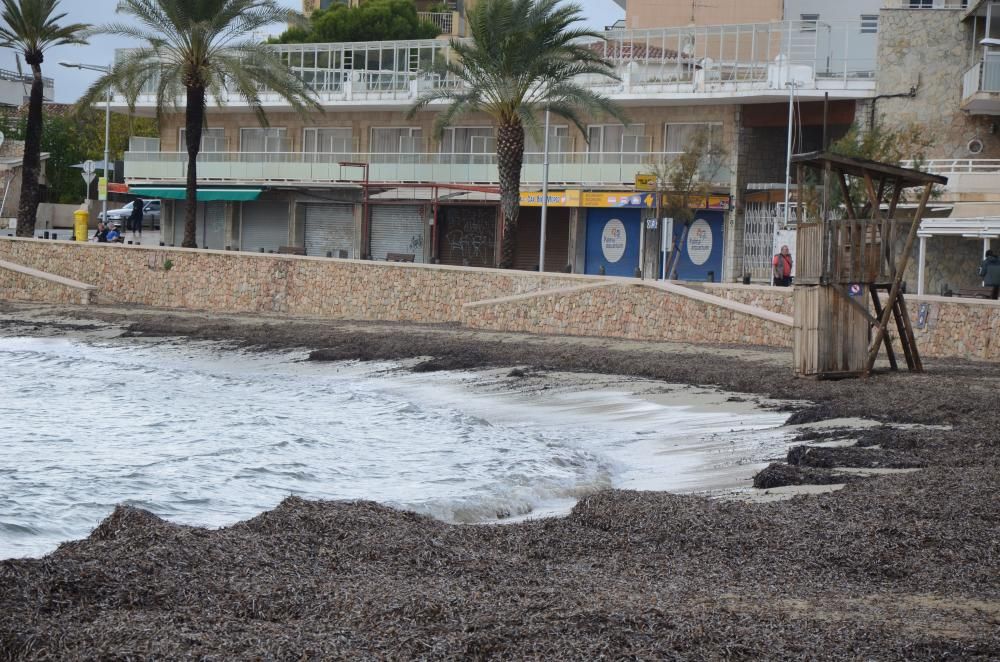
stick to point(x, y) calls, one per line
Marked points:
point(566, 168)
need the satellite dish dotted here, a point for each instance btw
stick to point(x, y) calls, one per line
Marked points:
point(975, 146)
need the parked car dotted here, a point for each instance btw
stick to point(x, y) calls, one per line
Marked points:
point(150, 214)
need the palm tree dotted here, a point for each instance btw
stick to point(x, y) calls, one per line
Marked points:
point(200, 48)
point(524, 56)
point(31, 28)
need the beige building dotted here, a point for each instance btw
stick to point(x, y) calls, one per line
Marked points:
point(676, 13)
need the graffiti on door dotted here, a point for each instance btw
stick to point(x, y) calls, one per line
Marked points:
point(470, 236)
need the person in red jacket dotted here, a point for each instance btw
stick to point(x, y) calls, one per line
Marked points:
point(782, 264)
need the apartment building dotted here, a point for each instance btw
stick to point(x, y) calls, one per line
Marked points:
point(448, 15)
point(362, 181)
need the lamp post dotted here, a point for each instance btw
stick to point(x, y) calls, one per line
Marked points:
point(545, 195)
point(107, 123)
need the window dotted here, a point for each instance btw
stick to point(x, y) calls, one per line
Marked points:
point(615, 143)
point(677, 137)
point(558, 145)
point(869, 23)
point(212, 140)
point(464, 143)
point(270, 140)
point(389, 142)
point(333, 141)
point(809, 22)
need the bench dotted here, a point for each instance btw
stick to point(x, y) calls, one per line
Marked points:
point(975, 292)
point(399, 257)
point(291, 250)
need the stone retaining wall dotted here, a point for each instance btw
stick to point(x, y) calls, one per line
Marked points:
point(256, 283)
point(363, 290)
point(633, 311)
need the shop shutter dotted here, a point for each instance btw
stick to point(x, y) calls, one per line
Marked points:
point(529, 226)
point(468, 235)
point(330, 228)
point(264, 224)
point(180, 207)
point(397, 229)
point(214, 226)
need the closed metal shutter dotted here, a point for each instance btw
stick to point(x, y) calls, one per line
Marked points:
point(397, 229)
point(264, 224)
point(214, 225)
point(180, 207)
point(330, 229)
point(467, 235)
point(529, 229)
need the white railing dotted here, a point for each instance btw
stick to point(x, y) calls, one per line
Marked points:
point(955, 166)
point(971, 80)
point(445, 21)
point(566, 168)
point(690, 60)
point(926, 4)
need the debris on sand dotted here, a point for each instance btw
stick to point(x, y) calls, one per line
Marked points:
point(778, 474)
point(852, 456)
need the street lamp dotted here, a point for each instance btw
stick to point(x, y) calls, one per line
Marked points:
point(107, 123)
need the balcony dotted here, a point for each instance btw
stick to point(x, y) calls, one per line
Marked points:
point(740, 63)
point(312, 169)
point(449, 23)
point(981, 86)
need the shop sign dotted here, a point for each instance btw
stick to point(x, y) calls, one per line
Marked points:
point(645, 181)
point(699, 242)
point(556, 198)
point(633, 200)
point(613, 240)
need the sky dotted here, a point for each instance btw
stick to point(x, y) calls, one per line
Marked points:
point(70, 83)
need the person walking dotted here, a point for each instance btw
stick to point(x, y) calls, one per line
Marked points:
point(989, 271)
point(782, 267)
point(135, 218)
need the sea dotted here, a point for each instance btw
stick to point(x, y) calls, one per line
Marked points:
point(203, 434)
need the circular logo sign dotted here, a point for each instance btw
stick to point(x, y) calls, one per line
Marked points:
point(699, 242)
point(613, 240)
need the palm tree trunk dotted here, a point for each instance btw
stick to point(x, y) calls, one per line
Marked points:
point(27, 208)
point(510, 156)
point(194, 119)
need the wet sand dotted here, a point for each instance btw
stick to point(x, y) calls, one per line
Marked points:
point(893, 565)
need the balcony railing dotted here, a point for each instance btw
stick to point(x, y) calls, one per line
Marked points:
point(926, 4)
point(445, 21)
point(566, 168)
point(956, 166)
point(984, 76)
point(690, 60)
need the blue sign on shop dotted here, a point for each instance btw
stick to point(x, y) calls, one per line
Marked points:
point(612, 241)
point(701, 251)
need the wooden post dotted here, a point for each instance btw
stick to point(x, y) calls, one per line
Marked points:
point(897, 280)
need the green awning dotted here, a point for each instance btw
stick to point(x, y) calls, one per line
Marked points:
point(204, 194)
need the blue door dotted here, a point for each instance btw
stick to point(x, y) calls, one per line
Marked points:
point(612, 241)
point(701, 251)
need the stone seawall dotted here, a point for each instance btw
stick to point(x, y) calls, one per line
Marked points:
point(274, 284)
point(632, 311)
point(220, 281)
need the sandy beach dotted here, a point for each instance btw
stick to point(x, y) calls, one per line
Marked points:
point(884, 546)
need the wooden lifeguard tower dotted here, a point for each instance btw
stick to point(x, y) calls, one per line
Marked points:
point(844, 264)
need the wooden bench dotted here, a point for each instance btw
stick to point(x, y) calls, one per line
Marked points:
point(291, 250)
point(975, 292)
point(399, 257)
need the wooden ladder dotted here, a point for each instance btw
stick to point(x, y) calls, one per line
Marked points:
point(903, 327)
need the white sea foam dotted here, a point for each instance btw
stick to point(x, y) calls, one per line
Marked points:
point(209, 436)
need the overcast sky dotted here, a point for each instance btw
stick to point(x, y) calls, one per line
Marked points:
point(70, 83)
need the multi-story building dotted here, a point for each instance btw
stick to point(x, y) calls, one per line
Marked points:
point(15, 88)
point(362, 180)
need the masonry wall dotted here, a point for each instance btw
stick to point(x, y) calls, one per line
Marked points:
point(350, 289)
point(632, 311)
point(929, 52)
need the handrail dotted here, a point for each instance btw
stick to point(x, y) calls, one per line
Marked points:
point(954, 166)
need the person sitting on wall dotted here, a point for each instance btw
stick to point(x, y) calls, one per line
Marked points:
point(989, 271)
point(782, 267)
point(101, 236)
point(114, 235)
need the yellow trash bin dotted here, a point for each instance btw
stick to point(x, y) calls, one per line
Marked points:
point(81, 217)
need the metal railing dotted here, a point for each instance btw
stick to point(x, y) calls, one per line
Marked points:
point(955, 166)
point(566, 168)
point(7, 74)
point(445, 21)
point(984, 76)
point(692, 60)
point(926, 4)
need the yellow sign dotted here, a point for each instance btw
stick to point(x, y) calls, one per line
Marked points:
point(645, 181)
point(636, 200)
point(102, 188)
point(556, 198)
